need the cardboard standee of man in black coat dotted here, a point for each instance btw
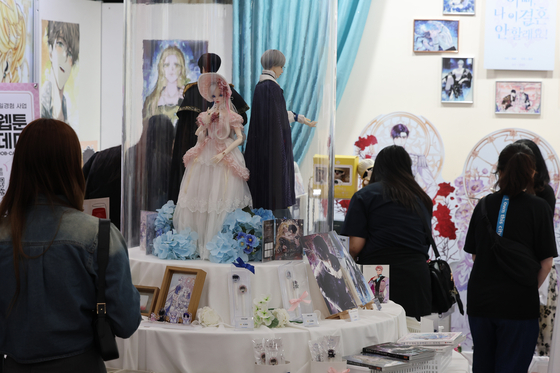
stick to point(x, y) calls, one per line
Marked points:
point(269, 154)
point(192, 105)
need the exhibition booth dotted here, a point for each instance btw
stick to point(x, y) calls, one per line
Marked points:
point(242, 129)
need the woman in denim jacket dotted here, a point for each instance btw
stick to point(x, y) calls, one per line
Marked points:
point(48, 260)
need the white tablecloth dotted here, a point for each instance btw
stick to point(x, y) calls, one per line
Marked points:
point(167, 348)
point(148, 270)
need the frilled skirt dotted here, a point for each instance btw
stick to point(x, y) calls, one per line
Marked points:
point(209, 191)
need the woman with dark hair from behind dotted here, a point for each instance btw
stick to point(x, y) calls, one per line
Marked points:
point(48, 260)
point(542, 178)
point(385, 223)
point(503, 311)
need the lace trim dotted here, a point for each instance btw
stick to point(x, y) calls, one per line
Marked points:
point(218, 207)
point(242, 172)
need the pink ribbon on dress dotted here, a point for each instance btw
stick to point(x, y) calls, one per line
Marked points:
point(295, 302)
point(332, 370)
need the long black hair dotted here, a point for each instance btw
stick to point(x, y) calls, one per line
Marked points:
point(542, 177)
point(393, 168)
point(516, 166)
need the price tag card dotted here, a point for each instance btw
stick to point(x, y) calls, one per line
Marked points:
point(310, 319)
point(244, 323)
point(354, 315)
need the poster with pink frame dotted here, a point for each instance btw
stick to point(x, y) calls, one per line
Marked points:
point(515, 97)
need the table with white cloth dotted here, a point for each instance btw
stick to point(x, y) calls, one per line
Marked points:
point(164, 347)
point(194, 349)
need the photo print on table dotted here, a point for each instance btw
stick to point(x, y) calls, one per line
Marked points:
point(518, 97)
point(282, 239)
point(459, 7)
point(328, 272)
point(377, 276)
point(180, 291)
point(457, 80)
point(354, 278)
point(435, 36)
point(148, 299)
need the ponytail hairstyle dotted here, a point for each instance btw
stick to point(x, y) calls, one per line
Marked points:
point(393, 168)
point(515, 170)
point(542, 177)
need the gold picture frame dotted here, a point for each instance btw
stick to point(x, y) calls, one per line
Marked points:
point(148, 299)
point(181, 289)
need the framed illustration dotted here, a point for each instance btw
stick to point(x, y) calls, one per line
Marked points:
point(457, 80)
point(353, 275)
point(515, 97)
point(148, 299)
point(435, 36)
point(459, 7)
point(282, 239)
point(180, 291)
point(377, 276)
point(329, 273)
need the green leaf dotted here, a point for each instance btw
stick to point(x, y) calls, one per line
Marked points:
point(274, 323)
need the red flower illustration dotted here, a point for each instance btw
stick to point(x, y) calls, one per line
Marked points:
point(364, 142)
point(445, 189)
point(445, 226)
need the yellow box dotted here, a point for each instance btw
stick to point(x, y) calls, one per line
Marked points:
point(345, 176)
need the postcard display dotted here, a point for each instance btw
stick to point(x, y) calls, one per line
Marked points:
point(162, 50)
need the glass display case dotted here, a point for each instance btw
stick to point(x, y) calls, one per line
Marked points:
point(228, 104)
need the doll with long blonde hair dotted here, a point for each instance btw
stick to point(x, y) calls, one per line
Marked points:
point(215, 178)
point(12, 41)
point(171, 80)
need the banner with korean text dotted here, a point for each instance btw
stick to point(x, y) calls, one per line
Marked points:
point(19, 105)
point(520, 34)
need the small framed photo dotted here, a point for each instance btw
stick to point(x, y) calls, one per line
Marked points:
point(180, 291)
point(148, 299)
point(459, 7)
point(518, 97)
point(435, 36)
point(457, 80)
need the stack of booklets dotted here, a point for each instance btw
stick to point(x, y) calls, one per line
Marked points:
point(376, 362)
point(433, 339)
point(388, 357)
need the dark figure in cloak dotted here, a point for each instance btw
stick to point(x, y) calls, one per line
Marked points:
point(192, 105)
point(268, 154)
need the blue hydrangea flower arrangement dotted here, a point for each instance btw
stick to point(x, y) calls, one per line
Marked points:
point(173, 245)
point(164, 220)
point(241, 236)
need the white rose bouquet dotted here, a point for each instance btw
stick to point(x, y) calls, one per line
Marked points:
point(208, 317)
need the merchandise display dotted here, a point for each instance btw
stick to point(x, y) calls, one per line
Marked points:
point(294, 285)
point(240, 298)
point(345, 180)
point(282, 239)
point(400, 351)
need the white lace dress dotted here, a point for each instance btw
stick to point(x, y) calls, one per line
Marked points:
point(209, 191)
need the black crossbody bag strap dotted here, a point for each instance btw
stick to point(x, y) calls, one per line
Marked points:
point(428, 231)
point(102, 261)
point(486, 219)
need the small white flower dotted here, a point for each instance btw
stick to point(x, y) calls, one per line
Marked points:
point(282, 315)
point(208, 317)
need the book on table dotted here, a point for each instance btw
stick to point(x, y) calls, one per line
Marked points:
point(376, 362)
point(400, 351)
point(443, 338)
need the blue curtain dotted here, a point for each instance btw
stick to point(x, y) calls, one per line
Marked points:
point(298, 28)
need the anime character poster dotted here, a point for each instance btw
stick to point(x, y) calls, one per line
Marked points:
point(288, 243)
point(328, 271)
point(436, 36)
point(459, 7)
point(377, 277)
point(16, 40)
point(518, 97)
point(60, 71)
point(168, 66)
point(178, 297)
point(354, 277)
point(457, 80)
